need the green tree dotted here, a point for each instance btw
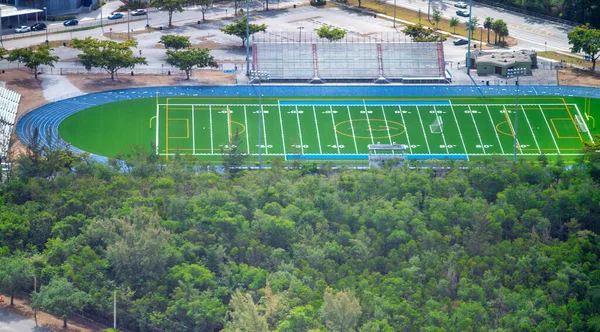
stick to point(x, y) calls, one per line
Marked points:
point(330, 33)
point(33, 57)
point(233, 155)
point(238, 28)
point(245, 314)
point(454, 22)
point(498, 26)
point(419, 33)
point(437, 17)
point(587, 40)
point(107, 54)
point(591, 156)
point(205, 5)
point(186, 60)
point(176, 42)
point(340, 311)
point(61, 298)
point(473, 26)
point(169, 6)
point(16, 273)
point(487, 23)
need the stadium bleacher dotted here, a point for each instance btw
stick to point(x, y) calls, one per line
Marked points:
point(367, 61)
point(9, 103)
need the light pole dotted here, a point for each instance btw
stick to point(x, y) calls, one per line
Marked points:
point(147, 14)
point(101, 18)
point(1, 26)
point(128, 30)
point(516, 72)
point(394, 14)
point(47, 26)
point(428, 9)
point(300, 34)
point(469, 42)
point(248, 39)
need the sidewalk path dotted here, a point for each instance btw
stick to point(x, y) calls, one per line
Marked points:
point(10, 322)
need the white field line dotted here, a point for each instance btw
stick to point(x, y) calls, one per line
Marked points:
point(368, 121)
point(495, 131)
point(193, 133)
point(247, 130)
point(212, 146)
point(443, 136)
point(337, 142)
point(264, 127)
point(386, 123)
point(352, 126)
point(460, 132)
point(477, 130)
point(549, 129)
point(405, 129)
point(317, 126)
point(424, 133)
point(531, 128)
point(300, 131)
point(281, 125)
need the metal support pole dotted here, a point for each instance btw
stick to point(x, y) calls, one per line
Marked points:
point(469, 43)
point(300, 34)
point(248, 39)
point(516, 124)
point(148, 14)
point(47, 26)
point(394, 13)
point(260, 109)
point(115, 310)
point(1, 26)
point(128, 30)
point(429, 10)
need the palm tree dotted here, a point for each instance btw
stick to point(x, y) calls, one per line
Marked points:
point(454, 21)
point(497, 26)
point(488, 25)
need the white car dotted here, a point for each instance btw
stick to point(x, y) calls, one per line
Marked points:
point(138, 12)
point(461, 5)
point(22, 28)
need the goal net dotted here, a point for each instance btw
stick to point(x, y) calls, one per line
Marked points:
point(437, 126)
point(581, 126)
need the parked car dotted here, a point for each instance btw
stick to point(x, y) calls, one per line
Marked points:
point(463, 13)
point(23, 28)
point(461, 5)
point(461, 41)
point(115, 16)
point(38, 26)
point(139, 12)
point(70, 23)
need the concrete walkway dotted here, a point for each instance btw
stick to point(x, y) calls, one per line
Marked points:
point(10, 322)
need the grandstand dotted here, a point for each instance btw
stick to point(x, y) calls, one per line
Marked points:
point(373, 61)
point(9, 103)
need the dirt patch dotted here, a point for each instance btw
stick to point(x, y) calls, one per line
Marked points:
point(577, 76)
point(96, 83)
point(22, 308)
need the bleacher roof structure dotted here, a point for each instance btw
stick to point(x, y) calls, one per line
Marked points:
point(370, 61)
point(9, 103)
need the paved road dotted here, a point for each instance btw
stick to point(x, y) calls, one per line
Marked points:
point(531, 32)
point(10, 322)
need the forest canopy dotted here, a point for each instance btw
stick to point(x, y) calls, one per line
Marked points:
point(479, 248)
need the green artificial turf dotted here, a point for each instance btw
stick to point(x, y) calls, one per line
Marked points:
point(473, 126)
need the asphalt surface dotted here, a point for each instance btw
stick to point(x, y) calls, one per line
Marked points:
point(532, 32)
point(10, 322)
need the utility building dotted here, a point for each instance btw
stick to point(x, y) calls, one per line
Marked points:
point(490, 63)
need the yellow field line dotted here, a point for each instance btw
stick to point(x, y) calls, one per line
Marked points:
point(511, 128)
point(572, 120)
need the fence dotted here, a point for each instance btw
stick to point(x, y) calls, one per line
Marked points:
point(527, 12)
point(82, 25)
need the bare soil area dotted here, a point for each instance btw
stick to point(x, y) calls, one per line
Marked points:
point(96, 83)
point(577, 76)
point(74, 324)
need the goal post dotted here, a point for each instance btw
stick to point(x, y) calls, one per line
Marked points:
point(437, 126)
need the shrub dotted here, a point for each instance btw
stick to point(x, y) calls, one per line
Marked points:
point(318, 3)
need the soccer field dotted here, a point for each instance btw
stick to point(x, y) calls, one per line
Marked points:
point(337, 128)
